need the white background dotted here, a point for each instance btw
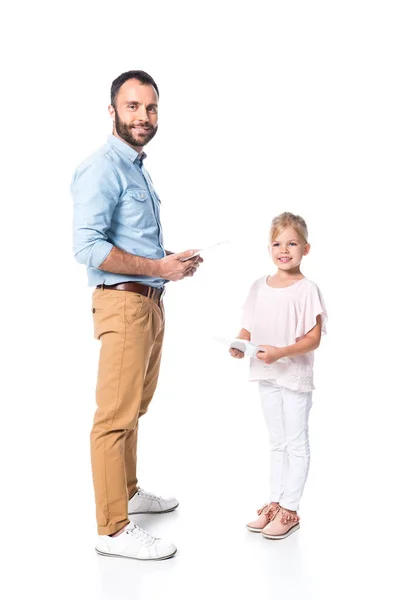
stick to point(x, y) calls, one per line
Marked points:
point(264, 107)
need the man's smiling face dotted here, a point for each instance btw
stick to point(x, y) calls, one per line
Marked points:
point(135, 114)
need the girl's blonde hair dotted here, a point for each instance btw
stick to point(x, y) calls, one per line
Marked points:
point(285, 220)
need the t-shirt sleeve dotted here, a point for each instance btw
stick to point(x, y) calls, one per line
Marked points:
point(313, 305)
point(248, 309)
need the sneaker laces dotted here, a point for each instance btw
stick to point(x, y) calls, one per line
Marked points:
point(148, 495)
point(140, 534)
point(270, 510)
point(262, 509)
point(287, 517)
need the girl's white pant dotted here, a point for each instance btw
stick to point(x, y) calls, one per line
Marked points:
point(286, 414)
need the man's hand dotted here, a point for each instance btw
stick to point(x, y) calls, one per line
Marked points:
point(270, 354)
point(172, 268)
point(196, 261)
point(236, 353)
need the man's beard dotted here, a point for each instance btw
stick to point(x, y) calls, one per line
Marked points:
point(127, 133)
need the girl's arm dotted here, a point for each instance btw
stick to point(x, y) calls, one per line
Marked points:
point(308, 343)
point(243, 335)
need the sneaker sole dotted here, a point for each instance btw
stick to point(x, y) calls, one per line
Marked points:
point(134, 557)
point(153, 512)
point(281, 537)
point(253, 529)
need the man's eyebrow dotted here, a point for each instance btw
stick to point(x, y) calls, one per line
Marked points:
point(136, 102)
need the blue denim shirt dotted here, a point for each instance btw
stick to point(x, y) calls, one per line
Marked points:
point(115, 204)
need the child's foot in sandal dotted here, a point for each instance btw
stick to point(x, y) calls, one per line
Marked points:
point(265, 514)
point(283, 524)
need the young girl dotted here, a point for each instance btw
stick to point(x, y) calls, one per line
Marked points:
point(285, 315)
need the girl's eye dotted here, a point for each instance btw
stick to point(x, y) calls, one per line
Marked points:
point(275, 244)
point(293, 244)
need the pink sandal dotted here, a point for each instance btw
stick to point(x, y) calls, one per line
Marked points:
point(282, 525)
point(266, 515)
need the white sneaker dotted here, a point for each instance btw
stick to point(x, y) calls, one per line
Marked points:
point(144, 502)
point(134, 542)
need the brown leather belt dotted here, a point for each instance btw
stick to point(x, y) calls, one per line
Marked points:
point(155, 294)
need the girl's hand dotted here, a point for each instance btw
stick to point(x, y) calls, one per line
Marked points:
point(236, 353)
point(270, 354)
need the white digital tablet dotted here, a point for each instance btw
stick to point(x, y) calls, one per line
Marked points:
point(199, 252)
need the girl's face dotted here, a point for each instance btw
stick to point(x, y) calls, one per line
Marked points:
point(288, 249)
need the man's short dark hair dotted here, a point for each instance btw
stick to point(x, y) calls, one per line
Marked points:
point(141, 76)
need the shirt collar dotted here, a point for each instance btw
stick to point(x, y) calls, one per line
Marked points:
point(126, 150)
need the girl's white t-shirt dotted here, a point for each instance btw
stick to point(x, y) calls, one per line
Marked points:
point(281, 317)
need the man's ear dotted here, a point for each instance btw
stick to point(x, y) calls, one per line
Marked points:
point(111, 111)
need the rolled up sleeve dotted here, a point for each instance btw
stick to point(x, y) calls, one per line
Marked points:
point(95, 190)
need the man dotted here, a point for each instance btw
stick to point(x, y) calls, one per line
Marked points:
point(118, 236)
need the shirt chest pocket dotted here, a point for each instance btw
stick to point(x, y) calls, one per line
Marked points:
point(136, 208)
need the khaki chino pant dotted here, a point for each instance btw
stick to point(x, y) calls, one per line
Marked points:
point(131, 329)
